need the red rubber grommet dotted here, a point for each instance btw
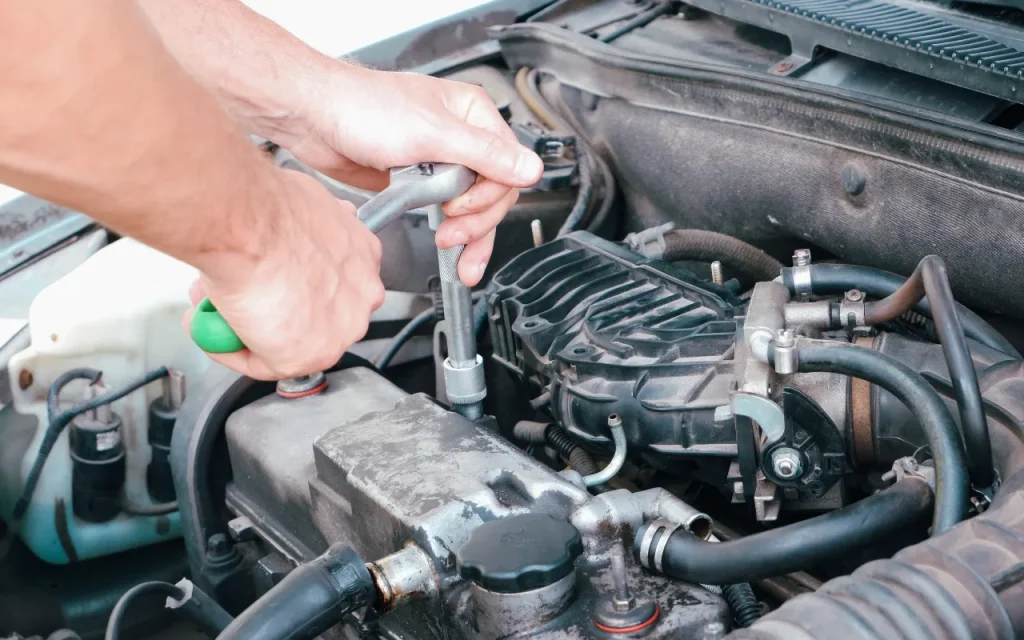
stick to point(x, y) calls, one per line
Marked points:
point(634, 628)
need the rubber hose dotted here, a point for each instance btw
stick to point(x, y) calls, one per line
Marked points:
point(584, 191)
point(952, 484)
point(833, 279)
point(708, 246)
point(793, 547)
point(742, 602)
point(146, 510)
point(116, 618)
point(930, 280)
point(973, 425)
point(308, 601)
point(579, 458)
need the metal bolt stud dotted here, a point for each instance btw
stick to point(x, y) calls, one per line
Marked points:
point(623, 599)
point(787, 463)
point(538, 233)
point(801, 257)
point(716, 273)
point(854, 295)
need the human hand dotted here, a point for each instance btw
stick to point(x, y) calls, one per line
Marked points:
point(308, 294)
point(364, 122)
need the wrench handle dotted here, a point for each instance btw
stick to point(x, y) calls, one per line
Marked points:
point(211, 332)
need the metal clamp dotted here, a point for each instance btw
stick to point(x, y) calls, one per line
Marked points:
point(853, 310)
point(668, 528)
point(801, 273)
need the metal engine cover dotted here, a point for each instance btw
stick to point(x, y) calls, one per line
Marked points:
point(609, 331)
point(366, 464)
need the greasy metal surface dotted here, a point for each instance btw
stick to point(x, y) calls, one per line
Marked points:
point(270, 447)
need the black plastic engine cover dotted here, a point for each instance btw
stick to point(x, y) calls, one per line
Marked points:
point(608, 331)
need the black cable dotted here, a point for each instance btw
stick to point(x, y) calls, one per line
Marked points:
point(834, 279)
point(584, 191)
point(793, 547)
point(742, 602)
point(952, 483)
point(640, 20)
point(708, 246)
point(403, 336)
point(58, 422)
point(114, 622)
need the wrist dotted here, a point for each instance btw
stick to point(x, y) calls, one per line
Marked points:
point(234, 251)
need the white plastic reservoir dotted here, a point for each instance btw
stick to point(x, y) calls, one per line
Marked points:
point(120, 312)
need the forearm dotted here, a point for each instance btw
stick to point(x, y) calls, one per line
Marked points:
point(265, 77)
point(98, 117)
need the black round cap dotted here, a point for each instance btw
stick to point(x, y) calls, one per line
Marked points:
point(519, 553)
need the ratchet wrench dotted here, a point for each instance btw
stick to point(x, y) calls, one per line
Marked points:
point(424, 185)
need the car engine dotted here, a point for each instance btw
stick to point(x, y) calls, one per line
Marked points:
point(750, 351)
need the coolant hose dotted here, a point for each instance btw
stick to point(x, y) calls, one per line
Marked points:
point(952, 484)
point(790, 548)
point(930, 279)
point(834, 279)
point(310, 600)
point(708, 246)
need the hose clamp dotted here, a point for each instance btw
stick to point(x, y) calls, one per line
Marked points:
point(667, 528)
point(802, 280)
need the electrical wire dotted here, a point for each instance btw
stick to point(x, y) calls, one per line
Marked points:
point(403, 336)
point(58, 421)
point(115, 621)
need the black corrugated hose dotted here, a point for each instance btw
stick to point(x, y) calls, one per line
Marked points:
point(708, 246)
point(743, 603)
point(550, 434)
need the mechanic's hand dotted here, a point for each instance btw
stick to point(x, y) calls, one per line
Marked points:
point(309, 297)
point(367, 121)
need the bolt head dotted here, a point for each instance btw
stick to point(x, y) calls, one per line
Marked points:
point(855, 295)
point(801, 257)
point(787, 463)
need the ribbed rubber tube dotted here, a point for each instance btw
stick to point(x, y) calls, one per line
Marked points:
point(743, 603)
point(708, 246)
point(579, 458)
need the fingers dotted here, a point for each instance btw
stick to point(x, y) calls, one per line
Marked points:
point(197, 292)
point(469, 228)
point(474, 259)
point(490, 154)
point(480, 196)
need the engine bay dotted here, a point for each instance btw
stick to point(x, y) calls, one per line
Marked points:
point(750, 351)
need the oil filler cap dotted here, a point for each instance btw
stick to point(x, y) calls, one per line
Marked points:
point(519, 553)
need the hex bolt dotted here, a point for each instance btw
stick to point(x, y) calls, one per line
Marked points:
point(716, 273)
point(801, 257)
point(538, 233)
point(787, 463)
point(854, 295)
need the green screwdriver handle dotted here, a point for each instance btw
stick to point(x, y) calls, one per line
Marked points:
point(212, 332)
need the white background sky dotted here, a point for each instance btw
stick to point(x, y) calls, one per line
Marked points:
point(339, 26)
point(336, 27)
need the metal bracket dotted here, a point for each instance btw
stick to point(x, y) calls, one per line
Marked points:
point(767, 414)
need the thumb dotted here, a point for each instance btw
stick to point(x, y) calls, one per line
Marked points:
point(493, 156)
